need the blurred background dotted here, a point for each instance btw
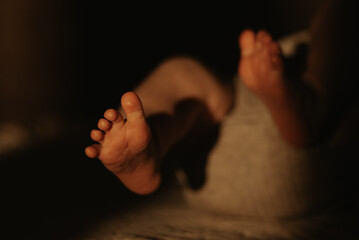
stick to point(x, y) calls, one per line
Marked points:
point(70, 57)
point(62, 63)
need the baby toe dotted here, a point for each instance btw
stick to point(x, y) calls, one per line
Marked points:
point(246, 42)
point(103, 124)
point(263, 40)
point(93, 150)
point(112, 115)
point(132, 106)
point(264, 36)
point(97, 135)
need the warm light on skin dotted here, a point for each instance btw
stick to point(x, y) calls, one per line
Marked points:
point(181, 97)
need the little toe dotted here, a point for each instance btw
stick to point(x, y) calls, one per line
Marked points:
point(97, 135)
point(132, 106)
point(104, 125)
point(93, 151)
point(246, 42)
point(112, 115)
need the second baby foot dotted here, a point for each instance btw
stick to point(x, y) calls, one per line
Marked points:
point(260, 66)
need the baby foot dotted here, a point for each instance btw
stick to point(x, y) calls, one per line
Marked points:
point(261, 67)
point(125, 146)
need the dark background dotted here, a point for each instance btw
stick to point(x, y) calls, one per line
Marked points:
point(71, 60)
point(77, 57)
point(121, 45)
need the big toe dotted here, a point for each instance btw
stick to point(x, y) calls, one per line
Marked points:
point(246, 42)
point(132, 106)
